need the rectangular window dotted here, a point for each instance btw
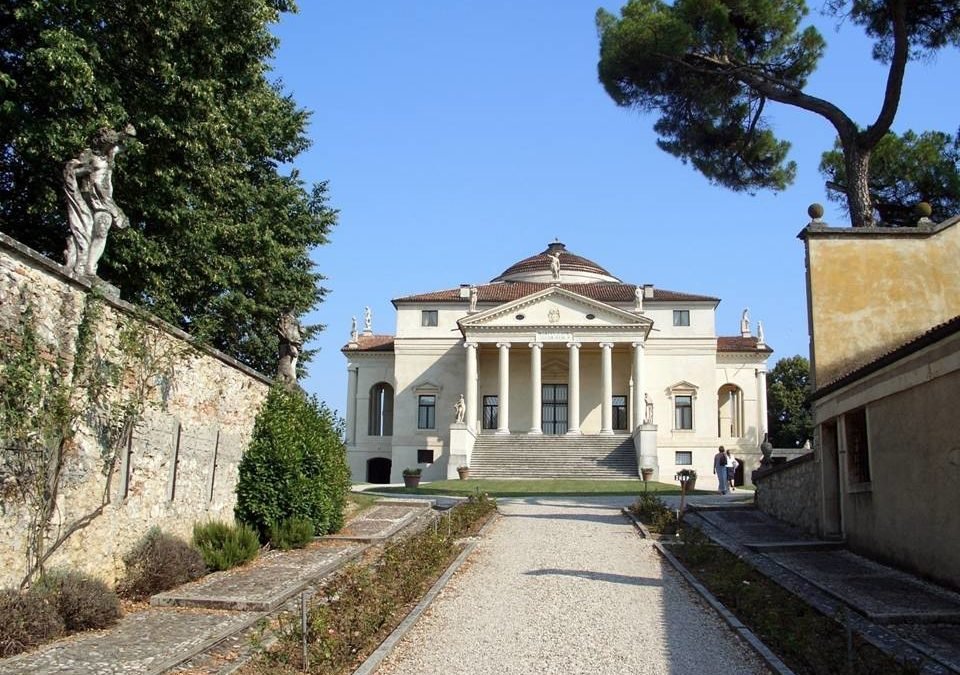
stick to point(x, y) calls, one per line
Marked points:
point(427, 412)
point(683, 412)
point(681, 317)
point(858, 456)
point(619, 413)
point(684, 458)
point(489, 412)
point(424, 456)
point(428, 317)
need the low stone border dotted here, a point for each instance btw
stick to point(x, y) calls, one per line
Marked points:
point(764, 652)
point(373, 661)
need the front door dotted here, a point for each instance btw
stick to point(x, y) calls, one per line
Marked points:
point(554, 409)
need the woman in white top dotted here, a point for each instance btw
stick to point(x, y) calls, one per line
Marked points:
point(732, 465)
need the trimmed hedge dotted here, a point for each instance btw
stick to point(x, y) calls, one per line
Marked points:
point(294, 467)
point(158, 563)
point(84, 602)
point(223, 545)
point(291, 533)
point(27, 620)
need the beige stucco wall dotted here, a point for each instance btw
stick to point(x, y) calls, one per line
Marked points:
point(872, 289)
point(907, 513)
point(207, 401)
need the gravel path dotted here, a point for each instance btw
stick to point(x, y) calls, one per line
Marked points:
point(566, 586)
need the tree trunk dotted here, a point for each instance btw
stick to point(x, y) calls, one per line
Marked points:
point(857, 169)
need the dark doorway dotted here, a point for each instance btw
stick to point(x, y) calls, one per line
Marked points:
point(378, 470)
point(554, 408)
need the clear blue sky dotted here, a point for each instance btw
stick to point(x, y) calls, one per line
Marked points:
point(460, 137)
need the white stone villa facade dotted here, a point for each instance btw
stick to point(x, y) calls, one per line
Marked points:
point(554, 351)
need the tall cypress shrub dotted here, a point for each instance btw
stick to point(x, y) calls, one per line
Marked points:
point(295, 466)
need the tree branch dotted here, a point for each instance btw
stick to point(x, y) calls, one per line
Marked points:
point(898, 67)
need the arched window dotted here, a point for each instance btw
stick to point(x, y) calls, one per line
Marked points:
point(381, 410)
point(730, 411)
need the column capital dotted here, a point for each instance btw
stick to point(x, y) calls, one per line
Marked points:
point(638, 345)
point(574, 345)
point(501, 345)
point(535, 345)
point(467, 344)
point(606, 345)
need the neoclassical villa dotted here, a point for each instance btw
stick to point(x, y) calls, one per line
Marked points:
point(554, 368)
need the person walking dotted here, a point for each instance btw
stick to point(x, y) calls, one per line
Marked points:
point(732, 465)
point(720, 468)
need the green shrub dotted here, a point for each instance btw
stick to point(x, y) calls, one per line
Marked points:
point(84, 602)
point(158, 563)
point(294, 467)
point(223, 545)
point(292, 533)
point(26, 620)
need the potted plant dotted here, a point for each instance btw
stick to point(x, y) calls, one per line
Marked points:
point(646, 473)
point(687, 478)
point(411, 477)
point(464, 472)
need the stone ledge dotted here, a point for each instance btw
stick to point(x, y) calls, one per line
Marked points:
point(763, 472)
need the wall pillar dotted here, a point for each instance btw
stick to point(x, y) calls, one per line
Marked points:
point(606, 402)
point(573, 402)
point(761, 404)
point(639, 404)
point(470, 386)
point(503, 400)
point(536, 426)
point(352, 377)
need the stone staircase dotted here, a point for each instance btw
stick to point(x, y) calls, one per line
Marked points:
point(524, 456)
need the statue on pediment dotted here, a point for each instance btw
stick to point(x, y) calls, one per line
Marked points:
point(555, 265)
point(473, 298)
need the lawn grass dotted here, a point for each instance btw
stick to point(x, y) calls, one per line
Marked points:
point(539, 487)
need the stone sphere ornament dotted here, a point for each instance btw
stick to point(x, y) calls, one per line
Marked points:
point(815, 211)
point(923, 210)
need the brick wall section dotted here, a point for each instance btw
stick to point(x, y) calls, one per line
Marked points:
point(788, 491)
point(184, 455)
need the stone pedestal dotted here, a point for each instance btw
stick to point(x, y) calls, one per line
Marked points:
point(461, 447)
point(645, 445)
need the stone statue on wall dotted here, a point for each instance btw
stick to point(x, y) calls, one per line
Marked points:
point(354, 336)
point(648, 409)
point(473, 298)
point(555, 265)
point(291, 343)
point(367, 321)
point(460, 408)
point(766, 449)
point(745, 322)
point(91, 211)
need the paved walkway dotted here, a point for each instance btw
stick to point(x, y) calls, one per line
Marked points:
point(194, 617)
point(564, 585)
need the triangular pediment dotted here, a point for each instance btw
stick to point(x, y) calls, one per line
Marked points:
point(555, 308)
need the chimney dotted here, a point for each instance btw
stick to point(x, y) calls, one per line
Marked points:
point(647, 291)
point(464, 291)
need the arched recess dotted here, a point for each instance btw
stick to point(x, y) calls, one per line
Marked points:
point(730, 411)
point(381, 410)
point(378, 470)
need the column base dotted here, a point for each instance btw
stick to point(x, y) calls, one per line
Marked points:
point(606, 432)
point(535, 432)
point(503, 432)
point(574, 432)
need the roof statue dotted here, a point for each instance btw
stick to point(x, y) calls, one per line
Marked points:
point(760, 339)
point(555, 265)
point(91, 211)
point(354, 337)
point(473, 298)
point(745, 323)
point(638, 299)
point(367, 321)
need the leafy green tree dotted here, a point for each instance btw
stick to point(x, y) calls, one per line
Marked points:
point(294, 467)
point(220, 231)
point(788, 407)
point(709, 67)
point(905, 170)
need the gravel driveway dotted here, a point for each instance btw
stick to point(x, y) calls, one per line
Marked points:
point(565, 586)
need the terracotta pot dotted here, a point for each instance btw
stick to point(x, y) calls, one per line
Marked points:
point(411, 481)
point(646, 474)
point(464, 473)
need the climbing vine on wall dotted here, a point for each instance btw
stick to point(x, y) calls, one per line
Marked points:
point(50, 399)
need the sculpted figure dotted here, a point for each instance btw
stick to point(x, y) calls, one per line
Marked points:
point(353, 329)
point(760, 337)
point(638, 299)
point(766, 449)
point(555, 265)
point(91, 211)
point(473, 298)
point(291, 343)
point(460, 408)
point(745, 322)
point(648, 409)
point(367, 321)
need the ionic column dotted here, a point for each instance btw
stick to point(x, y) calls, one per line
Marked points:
point(573, 399)
point(639, 405)
point(470, 385)
point(503, 402)
point(762, 403)
point(536, 426)
point(352, 377)
point(606, 403)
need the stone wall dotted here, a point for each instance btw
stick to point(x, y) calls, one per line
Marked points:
point(789, 492)
point(179, 465)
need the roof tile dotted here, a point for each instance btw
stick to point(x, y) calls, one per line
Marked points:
point(371, 343)
point(604, 291)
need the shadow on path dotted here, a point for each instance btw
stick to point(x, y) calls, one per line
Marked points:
point(596, 576)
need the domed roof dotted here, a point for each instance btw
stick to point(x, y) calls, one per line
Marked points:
point(573, 268)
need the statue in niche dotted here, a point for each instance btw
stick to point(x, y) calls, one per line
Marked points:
point(473, 298)
point(91, 211)
point(745, 322)
point(460, 408)
point(354, 336)
point(648, 409)
point(638, 299)
point(291, 343)
point(555, 265)
point(367, 321)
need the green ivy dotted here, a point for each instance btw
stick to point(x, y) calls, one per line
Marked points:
point(294, 467)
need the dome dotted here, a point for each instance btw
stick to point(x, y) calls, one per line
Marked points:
point(573, 268)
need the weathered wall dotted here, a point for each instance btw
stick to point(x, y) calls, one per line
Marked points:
point(788, 491)
point(872, 289)
point(184, 454)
